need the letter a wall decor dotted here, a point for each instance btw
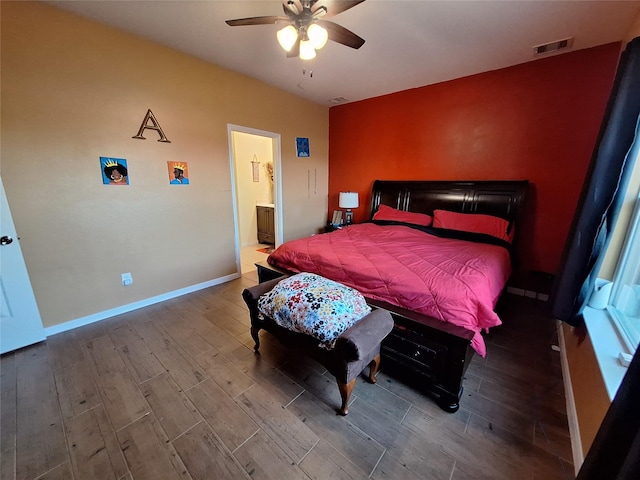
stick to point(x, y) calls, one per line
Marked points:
point(150, 123)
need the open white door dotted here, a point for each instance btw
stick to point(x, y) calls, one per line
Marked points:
point(20, 323)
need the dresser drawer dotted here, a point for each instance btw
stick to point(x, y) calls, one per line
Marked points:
point(424, 355)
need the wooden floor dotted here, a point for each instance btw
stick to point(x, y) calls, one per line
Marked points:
point(174, 391)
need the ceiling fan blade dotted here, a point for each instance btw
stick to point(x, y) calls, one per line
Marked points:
point(339, 34)
point(292, 7)
point(339, 6)
point(255, 21)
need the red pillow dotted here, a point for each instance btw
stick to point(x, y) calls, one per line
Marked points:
point(387, 213)
point(473, 222)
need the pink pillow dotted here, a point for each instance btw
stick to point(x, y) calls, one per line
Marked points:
point(387, 213)
point(473, 222)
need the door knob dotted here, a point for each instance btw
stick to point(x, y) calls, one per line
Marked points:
point(5, 240)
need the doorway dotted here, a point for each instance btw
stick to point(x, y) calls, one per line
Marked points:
point(256, 183)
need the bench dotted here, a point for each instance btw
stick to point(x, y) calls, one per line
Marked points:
point(356, 348)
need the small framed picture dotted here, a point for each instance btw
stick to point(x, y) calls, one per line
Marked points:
point(114, 171)
point(302, 146)
point(178, 173)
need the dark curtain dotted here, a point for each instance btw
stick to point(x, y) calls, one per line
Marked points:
point(602, 193)
point(615, 452)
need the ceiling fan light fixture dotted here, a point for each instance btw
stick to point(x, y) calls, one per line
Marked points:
point(317, 35)
point(287, 37)
point(307, 52)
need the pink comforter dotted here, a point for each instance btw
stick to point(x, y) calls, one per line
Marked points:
point(451, 280)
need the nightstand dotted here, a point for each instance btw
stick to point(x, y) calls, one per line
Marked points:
point(328, 228)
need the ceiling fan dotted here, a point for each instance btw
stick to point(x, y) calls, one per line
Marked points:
point(306, 30)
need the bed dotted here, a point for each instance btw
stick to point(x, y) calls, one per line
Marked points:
point(440, 284)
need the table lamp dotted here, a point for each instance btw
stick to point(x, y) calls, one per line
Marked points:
point(348, 200)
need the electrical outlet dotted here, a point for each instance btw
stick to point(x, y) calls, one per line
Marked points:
point(127, 279)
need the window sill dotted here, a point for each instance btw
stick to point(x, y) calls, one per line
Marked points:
point(607, 346)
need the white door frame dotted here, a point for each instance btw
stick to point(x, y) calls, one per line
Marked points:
point(277, 183)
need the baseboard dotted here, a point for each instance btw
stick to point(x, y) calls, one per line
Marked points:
point(572, 415)
point(543, 297)
point(79, 322)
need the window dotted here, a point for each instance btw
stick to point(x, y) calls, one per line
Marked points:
point(625, 295)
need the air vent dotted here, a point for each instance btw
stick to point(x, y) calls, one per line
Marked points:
point(337, 100)
point(553, 46)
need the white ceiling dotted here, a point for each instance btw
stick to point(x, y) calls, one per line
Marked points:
point(408, 43)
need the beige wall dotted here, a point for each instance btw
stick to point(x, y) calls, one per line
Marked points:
point(74, 90)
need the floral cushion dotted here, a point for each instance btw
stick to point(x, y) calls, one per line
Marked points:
point(310, 304)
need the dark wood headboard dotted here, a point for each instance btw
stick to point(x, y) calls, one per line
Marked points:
point(501, 198)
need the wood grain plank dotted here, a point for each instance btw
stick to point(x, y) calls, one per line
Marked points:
point(183, 369)
point(376, 403)
point(65, 350)
point(415, 453)
point(122, 399)
point(140, 361)
point(292, 435)
point(8, 404)
point(263, 460)
point(376, 438)
point(362, 450)
point(8, 416)
point(95, 452)
point(60, 472)
point(40, 446)
point(389, 467)
point(172, 408)
point(90, 332)
point(206, 457)
point(473, 458)
point(149, 453)
point(554, 440)
point(376, 423)
point(182, 333)
point(228, 377)
point(8, 462)
point(77, 391)
point(123, 334)
point(510, 448)
point(226, 322)
point(324, 461)
point(274, 352)
point(225, 416)
point(183, 307)
point(314, 379)
point(519, 422)
point(213, 334)
point(276, 383)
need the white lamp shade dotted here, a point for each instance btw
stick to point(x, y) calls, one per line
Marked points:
point(348, 200)
point(307, 52)
point(287, 37)
point(317, 36)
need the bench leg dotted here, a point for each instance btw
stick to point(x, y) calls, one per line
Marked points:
point(374, 366)
point(345, 393)
point(256, 338)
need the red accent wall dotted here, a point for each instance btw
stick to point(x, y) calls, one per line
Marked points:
point(537, 121)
